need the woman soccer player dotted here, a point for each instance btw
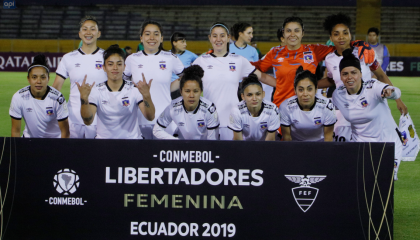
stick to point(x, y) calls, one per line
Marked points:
point(243, 33)
point(43, 107)
point(306, 117)
point(338, 26)
point(179, 48)
point(364, 104)
point(87, 60)
point(116, 101)
point(158, 65)
point(286, 59)
point(195, 116)
point(222, 73)
point(254, 118)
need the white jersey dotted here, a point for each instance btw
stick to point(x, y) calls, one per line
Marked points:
point(191, 125)
point(41, 116)
point(332, 63)
point(159, 67)
point(76, 65)
point(368, 113)
point(117, 111)
point(307, 125)
point(254, 128)
point(221, 80)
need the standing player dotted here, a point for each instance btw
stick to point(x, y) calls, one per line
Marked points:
point(254, 118)
point(380, 49)
point(195, 116)
point(306, 117)
point(158, 65)
point(43, 107)
point(363, 103)
point(338, 26)
point(87, 60)
point(179, 48)
point(222, 73)
point(243, 33)
point(286, 59)
point(116, 101)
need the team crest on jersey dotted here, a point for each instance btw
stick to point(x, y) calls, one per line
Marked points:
point(49, 111)
point(162, 65)
point(98, 65)
point(364, 103)
point(126, 103)
point(200, 123)
point(308, 57)
point(232, 67)
point(317, 121)
point(263, 125)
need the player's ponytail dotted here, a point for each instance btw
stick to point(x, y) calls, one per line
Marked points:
point(238, 28)
point(303, 74)
point(39, 61)
point(192, 73)
point(114, 49)
point(252, 79)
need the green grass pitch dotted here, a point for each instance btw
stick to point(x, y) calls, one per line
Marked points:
point(407, 188)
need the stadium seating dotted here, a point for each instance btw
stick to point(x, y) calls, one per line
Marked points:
point(122, 22)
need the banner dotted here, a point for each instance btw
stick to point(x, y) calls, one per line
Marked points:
point(19, 62)
point(403, 66)
point(139, 189)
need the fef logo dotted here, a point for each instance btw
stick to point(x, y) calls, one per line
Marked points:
point(305, 195)
point(7, 4)
point(66, 181)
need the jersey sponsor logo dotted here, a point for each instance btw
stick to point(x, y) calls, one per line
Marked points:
point(49, 111)
point(263, 125)
point(308, 57)
point(181, 124)
point(210, 67)
point(246, 125)
point(77, 64)
point(364, 103)
point(335, 68)
point(201, 123)
point(404, 138)
point(126, 103)
point(140, 66)
point(29, 110)
point(281, 59)
point(162, 65)
point(295, 121)
point(104, 102)
point(305, 195)
point(232, 67)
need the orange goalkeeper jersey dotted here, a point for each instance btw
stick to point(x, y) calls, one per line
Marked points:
point(285, 62)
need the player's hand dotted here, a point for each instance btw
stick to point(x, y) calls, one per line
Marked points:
point(366, 52)
point(401, 106)
point(387, 92)
point(85, 88)
point(144, 87)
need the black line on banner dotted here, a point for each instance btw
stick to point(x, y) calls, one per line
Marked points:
point(358, 199)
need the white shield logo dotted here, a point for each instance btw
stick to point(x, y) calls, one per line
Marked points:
point(66, 181)
point(305, 195)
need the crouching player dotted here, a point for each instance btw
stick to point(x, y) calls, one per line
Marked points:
point(116, 101)
point(254, 118)
point(195, 117)
point(43, 107)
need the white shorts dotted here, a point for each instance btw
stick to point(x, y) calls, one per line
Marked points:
point(225, 133)
point(82, 131)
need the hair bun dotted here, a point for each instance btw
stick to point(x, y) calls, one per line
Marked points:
point(40, 60)
point(193, 71)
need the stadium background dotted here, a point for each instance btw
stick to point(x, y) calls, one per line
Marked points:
point(52, 27)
